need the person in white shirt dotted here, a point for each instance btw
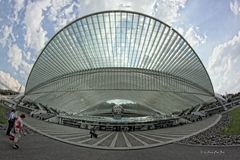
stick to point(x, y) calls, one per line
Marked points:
point(11, 120)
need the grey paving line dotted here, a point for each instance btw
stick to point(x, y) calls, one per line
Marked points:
point(126, 140)
point(103, 139)
point(114, 140)
point(141, 141)
point(66, 134)
point(147, 137)
point(167, 136)
point(159, 136)
point(82, 136)
point(99, 136)
point(70, 136)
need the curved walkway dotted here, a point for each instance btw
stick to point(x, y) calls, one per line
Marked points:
point(37, 147)
point(119, 140)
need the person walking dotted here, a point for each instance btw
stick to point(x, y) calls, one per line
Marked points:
point(18, 131)
point(93, 132)
point(11, 120)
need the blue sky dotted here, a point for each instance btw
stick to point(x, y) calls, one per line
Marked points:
point(212, 27)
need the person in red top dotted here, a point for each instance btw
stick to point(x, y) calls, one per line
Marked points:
point(18, 130)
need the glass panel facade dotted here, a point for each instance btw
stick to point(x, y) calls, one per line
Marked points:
point(118, 55)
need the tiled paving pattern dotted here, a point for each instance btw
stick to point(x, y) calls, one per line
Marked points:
point(37, 147)
point(118, 140)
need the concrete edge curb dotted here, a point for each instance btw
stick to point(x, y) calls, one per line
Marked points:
point(200, 145)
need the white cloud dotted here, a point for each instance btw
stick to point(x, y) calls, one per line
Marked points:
point(61, 12)
point(15, 56)
point(224, 66)
point(235, 6)
point(165, 10)
point(8, 82)
point(18, 5)
point(5, 34)
point(27, 55)
point(168, 10)
point(35, 36)
point(56, 9)
point(180, 30)
point(26, 68)
point(65, 11)
point(194, 37)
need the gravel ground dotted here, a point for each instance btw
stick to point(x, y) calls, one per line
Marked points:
point(214, 135)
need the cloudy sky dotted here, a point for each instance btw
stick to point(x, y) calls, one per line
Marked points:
point(212, 27)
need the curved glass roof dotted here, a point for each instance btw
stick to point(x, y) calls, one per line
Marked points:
point(118, 55)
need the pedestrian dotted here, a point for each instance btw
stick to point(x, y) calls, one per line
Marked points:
point(93, 132)
point(11, 120)
point(18, 131)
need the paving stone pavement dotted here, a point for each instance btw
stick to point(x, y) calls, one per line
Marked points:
point(118, 140)
point(38, 147)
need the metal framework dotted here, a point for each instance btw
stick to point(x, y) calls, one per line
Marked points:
point(118, 55)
